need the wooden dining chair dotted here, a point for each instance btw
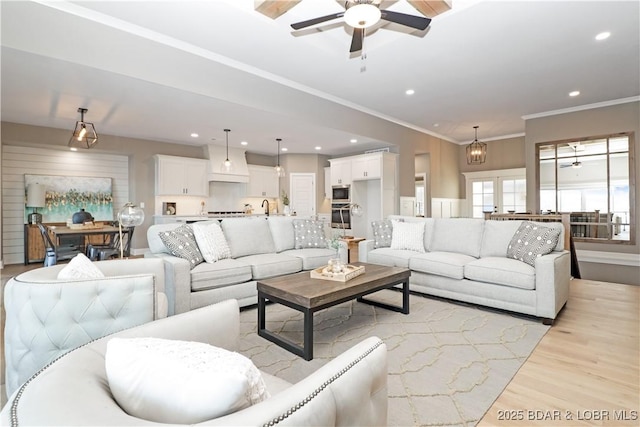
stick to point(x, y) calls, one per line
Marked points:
point(55, 253)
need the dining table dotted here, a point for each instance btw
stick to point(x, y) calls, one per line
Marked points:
point(88, 233)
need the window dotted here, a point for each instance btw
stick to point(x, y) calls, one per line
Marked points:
point(591, 179)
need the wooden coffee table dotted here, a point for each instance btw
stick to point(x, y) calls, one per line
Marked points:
point(300, 292)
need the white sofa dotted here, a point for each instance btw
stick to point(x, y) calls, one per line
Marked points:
point(47, 316)
point(74, 390)
point(465, 259)
point(260, 248)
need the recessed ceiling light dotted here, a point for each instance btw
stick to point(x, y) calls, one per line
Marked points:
point(284, 149)
point(194, 135)
point(603, 36)
point(574, 93)
point(73, 149)
point(318, 147)
point(244, 143)
point(353, 141)
point(410, 91)
point(435, 125)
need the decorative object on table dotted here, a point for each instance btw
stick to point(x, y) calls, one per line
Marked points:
point(81, 217)
point(65, 195)
point(285, 203)
point(335, 264)
point(129, 216)
point(279, 169)
point(476, 151)
point(203, 210)
point(346, 273)
point(35, 199)
point(355, 210)
point(169, 208)
point(84, 134)
point(227, 166)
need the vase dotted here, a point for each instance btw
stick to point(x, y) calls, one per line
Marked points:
point(335, 265)
point(287, 210)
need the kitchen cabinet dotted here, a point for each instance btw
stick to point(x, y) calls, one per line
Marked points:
point(368, 166)
point(340, 171)
point(263, 182)
point(181, 176)
point(327, 182)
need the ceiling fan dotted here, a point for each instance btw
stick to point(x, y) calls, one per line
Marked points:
point(576, 164)
point(362, 14)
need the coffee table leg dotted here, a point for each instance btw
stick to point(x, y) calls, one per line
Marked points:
point(261, 313)
point(308, 335)
point(405, 297)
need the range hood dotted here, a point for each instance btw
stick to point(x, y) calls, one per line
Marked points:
point(217, 155)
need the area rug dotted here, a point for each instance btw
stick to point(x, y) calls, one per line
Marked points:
point(448, 362)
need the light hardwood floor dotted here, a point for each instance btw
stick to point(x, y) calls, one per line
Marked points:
point(587, 367)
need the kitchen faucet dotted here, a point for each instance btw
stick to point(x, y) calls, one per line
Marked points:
point(266, 211)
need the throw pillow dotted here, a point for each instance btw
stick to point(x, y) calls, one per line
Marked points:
point(382, 230)
point(211, 241)
point(408, 235)
point(181, 242)
point(309, 234)
point(180, 382)
point(531, 241)
point(80, 267)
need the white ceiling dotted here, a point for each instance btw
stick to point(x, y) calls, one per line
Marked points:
point(161, 70)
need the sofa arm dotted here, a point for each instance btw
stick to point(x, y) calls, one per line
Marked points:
point(553, 273)
point(350, 390)
point(177, 282)
point(364, 248)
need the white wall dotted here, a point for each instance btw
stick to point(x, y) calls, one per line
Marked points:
point(18, 161)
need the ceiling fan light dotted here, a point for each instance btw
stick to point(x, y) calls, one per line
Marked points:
point(362, 15)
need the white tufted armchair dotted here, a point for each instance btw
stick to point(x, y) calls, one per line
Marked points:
point(46, 317)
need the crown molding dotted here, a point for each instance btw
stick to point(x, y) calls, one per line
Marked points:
point(582, 107)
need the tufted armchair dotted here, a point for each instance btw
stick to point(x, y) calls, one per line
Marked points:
point(46, 316)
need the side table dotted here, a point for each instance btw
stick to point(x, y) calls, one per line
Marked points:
point(352, 248)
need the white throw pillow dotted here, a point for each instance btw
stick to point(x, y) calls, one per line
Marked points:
point(408, 235)
point(180, 382)
point(211, 241)
point(80, 267)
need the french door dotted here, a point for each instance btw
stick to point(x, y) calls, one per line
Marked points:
point(500, 191)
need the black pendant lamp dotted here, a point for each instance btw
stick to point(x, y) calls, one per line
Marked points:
point(279, 169)
point(84, 135)
point(476, 151)
point(227, 166)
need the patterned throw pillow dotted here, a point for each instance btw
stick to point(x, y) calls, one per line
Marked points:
point(211, 241)
point(382, 232)
point(531, 241)
point(408, 235)
point(182, 243)
point(309, 234)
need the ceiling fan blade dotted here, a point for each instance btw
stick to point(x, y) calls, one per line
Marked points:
point(356, 41)
point(417, 22)
point(314, 21)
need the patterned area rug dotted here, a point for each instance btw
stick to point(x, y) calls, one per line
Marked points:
point(448, 362)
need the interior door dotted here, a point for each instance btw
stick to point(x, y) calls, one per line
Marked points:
point(303, 193)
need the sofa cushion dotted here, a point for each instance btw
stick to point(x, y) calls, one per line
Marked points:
point(180, 382)
point(496, 237)
point(80, 267)
point(309, 234)
point(382, 230)
point(428, 227)
point(248, 236)
point(390, 257)
point(312, 258)
point(282, 232)
point(225, 272)
point(408, 235)
point(459, 235)
point(531, 241)
point(264, 266)
point(211, 241)
point(447, 264)
point(502, 271)
point(182, 243)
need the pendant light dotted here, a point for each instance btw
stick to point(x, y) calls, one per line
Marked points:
point(84, 135)
point(476, 151)
point(227, 166)
point(279, 169)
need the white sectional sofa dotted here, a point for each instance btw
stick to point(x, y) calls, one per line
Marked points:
point(74, 390)
point(260, 248)
point(466, 259)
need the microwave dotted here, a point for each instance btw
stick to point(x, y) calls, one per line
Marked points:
point(341, 194)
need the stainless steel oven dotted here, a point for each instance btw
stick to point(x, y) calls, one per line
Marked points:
point(340, 215)
point(341, 194)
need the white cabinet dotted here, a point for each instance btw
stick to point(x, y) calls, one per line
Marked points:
point(340, 171)
point(327, 182)
point(368, 166)
point(263, 182)
point(181, 176)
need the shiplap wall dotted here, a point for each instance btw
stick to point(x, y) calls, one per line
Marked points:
point(18, 161)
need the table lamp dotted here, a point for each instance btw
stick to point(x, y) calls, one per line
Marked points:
point(36, 198)
point(356, 210)
point(129, 216)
